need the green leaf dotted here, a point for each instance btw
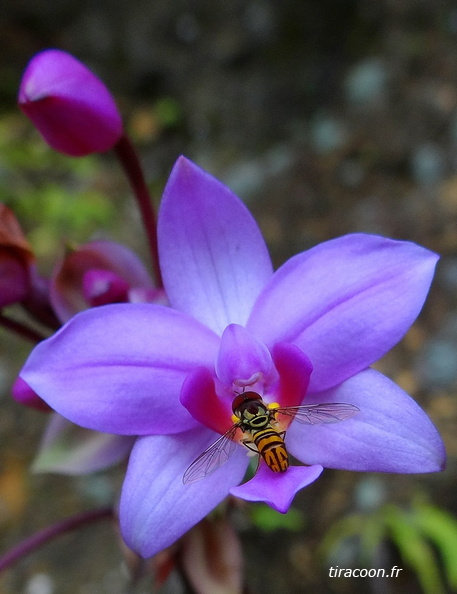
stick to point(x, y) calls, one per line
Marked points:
point(414, 549)
point(441, 528)
point(268, 519)
point(373, 532)
point(343, 529)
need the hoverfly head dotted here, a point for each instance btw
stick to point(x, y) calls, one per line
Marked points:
point(244, 400)
point(249, 407)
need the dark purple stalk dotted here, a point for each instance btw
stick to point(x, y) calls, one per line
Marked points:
point(21, 329)
point(35, 541)
point(131, 164)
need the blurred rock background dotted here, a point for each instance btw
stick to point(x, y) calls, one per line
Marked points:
point(326, 117)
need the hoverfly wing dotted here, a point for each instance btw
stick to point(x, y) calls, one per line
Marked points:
point(316, 414)
point(214, 456)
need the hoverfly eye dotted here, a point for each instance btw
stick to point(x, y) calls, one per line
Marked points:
point(237, 402)
point(244, 402)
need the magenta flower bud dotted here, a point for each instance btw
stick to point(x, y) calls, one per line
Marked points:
point(97, 273)
point(16, 259)
point(23, 394)
point(14, 281)
point(101, 287)
point(70, 106)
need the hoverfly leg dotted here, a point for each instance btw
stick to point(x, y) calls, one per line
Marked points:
point(250, 445)
point(273, 420)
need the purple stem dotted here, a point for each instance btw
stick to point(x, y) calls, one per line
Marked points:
point(35, 541)
point(129, 159)
point(21, 329)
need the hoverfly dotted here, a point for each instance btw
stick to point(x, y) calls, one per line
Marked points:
point(256, 421)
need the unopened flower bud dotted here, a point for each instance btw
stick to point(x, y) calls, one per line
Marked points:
point(97, 273)
point(69, 105)
point(16, 259)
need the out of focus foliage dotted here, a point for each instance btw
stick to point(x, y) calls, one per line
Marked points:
point(54, 198)
point(424, 536)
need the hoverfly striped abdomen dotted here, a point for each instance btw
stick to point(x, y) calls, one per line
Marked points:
point(272, 448)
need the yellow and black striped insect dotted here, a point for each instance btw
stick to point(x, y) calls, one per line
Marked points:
point(257, 421)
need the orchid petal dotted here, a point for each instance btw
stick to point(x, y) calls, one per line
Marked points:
point(101, 287)
point(213, 257)
point(199, 396)
point(120, 368)
point(156, 508)
point(294, 370)
point(69, 449)
point(345, 302)
point(277, 488)
point(242, 359)
point(390, 433)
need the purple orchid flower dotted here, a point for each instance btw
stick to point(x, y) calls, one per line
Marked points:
point(170, 375)
point(70, 106)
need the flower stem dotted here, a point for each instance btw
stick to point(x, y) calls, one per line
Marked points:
point(40, 538)
point(131, 164)
point(21, 329)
